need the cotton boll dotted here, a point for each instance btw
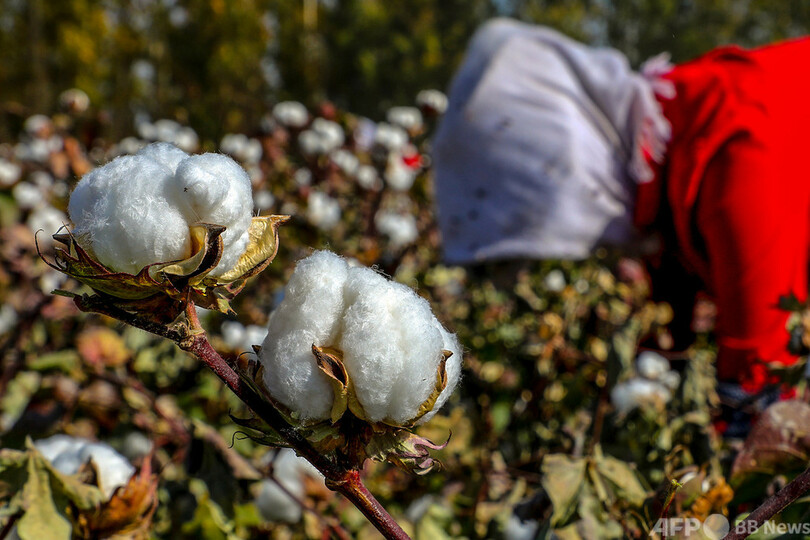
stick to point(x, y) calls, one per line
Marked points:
point(136, 445)
point(263, 200)
point(122, 216)
point(390, 341)
point(367, 177)
point(302, 177)
point(555, 280)
point(671, 380)
point(517, 529)
point(74, 100)
point(291, 114)
point(346, 161)
point(435, 100)
point(233, 143)
point(240, 337)
point(9, 173)
point(408, 118)
point(164, 153)
point(390, 137)
point(186, 139)
point(51, 280)
point(398, 175)
point(310, 143)
point(166, 130)
point(113, 468)
point(651, 365)
point(309, 314)
point(364, 133)
point(253, 152)
point(322, 210)
point(400, 229)
point(47, 219)
point(213, 188)
point(37, 125)
point(28, 195)
point(67, 455)
point(331, 133)
point(633, 393)
point(129, 145)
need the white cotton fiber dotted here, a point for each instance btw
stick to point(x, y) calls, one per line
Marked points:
point(67, 455)
point(309, 313)
point(137, 210)
point(391, 342)
point(122, 216)
point(213, 188)
point(164, 153)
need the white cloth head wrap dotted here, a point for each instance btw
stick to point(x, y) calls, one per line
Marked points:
point(541, 146)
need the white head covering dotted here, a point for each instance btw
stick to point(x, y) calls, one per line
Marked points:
point(541, 147)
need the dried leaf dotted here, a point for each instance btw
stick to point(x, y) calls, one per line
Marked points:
point(441, 384)
point(330, 362)
point(261, 250)
point(563, 479)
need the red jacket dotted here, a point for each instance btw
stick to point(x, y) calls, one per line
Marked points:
point(737, 182)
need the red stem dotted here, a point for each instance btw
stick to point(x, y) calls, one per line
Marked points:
point(345, 481)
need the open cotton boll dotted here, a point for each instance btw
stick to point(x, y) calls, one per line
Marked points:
point(213, 188)
point(651, 365)
point(331, 133)
point(291, 114)
point(400, 229)
point(390, 137)
point(635, 392)
point(122, 216)
point(67, 455)
point(408, 118)
point(322, 210)
point(432, 99)
point(9, 173)
point(164, 153)
point(390, 341)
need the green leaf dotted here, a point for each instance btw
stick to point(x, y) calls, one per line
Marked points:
point(42, 518)
point(563, 478)
point(18, 395)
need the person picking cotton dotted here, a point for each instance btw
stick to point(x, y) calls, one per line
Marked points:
point(392, 347)
point(137, 210)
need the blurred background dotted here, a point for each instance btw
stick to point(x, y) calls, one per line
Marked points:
point(218, 66)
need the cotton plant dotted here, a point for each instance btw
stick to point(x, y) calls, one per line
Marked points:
point(347, 344)
point(166, 223)
point(158, 234)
